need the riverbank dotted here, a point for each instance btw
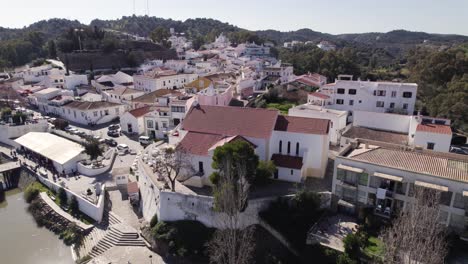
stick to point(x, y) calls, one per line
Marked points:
point(22, 241)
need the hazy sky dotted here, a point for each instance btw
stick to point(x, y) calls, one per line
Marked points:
point(330, 16)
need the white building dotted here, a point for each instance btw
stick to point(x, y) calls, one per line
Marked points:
point(62, 153)
point(298, 146)
point(383, 177)
point(418, 131)
point(326, 46)
point(91, 113)
point(122, 95)
point(133, 121)
point(370, 96)
point(337, 118)
point(161, 79)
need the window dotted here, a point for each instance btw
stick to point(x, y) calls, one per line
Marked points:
point(292, 172)
point(351, 102)
point(149, 124)
point(339, 101)
point(459, 201)
point(363, 179)
point(280, 146)
point(340, 91)
point(407, 94)
point(106, 112)
point(352, 91)
point(95, 113)
point(379, 93)
point(393, 93)
point(430, 145)
point(405, 106)
point(380, 104)
point(392, 105)
point(289, 147)
point(297, 148)
point(164, 124)
point(200, 167)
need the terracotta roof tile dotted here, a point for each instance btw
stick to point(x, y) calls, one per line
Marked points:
point(132, 187)
point(198, 143)
point(302, 125)
point(231, 121)
point(434, 128)
point(320, 95)
point(140, 111)
point(285, 161)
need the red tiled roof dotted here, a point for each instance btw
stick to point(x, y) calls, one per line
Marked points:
point(231, 121)
point(132, 187)
point(198, 143)
point(320, 95)
point(285, 161)
point(302, 125)
point(140, 111)
point(434, 128)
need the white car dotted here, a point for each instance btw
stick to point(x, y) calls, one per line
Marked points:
point(122, 147)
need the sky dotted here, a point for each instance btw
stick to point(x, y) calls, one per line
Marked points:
point(329, 16)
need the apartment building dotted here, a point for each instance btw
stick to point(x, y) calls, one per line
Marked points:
point(413, 130)
point(348, 95)
point(383, 177)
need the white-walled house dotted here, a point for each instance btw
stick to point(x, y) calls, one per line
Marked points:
point(382, 97)
point(382, 176)
point(158, 78)
point(417, 131)
point(91, 113)
point(337, 118)
point(216, 94)
point(133, 121)
point(122, 94)
point(298, 146)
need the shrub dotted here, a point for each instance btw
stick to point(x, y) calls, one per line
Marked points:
point(154, 220)
point(62, 195)
point(74, 207)
point(60, 124)
point(30, 193)
point(184, 238)
point(264, 172)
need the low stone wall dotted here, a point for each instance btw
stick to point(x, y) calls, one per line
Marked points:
point(95, 211)
point(87, 170)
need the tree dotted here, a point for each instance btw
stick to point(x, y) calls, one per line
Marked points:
point(93, 149)
point(232, 244)
point(416, 235)
point(52, 49)
point(174, 165)
point(62, 195)
point(264, 172)
point(159, 34)
point(60, 123)
point(74, 206)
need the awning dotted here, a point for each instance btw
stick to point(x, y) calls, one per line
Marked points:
point(349, 168)
point(388, 176)
point(431, 186)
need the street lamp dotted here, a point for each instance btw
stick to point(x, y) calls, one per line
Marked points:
point(79, 38)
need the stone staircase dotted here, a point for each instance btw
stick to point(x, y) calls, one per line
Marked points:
point(117, 235)
point(112, 231)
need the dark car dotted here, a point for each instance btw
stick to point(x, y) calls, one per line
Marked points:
point(458, 150)
point(113, 133)
point(111, 142)
point(114, 127)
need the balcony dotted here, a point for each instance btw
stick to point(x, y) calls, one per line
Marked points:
point(385, 212)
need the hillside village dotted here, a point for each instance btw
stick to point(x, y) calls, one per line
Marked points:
point(136, 144)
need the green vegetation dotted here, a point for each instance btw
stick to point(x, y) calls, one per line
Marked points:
point(93, 149)
point(154, 220)
point(374, 247)
point(300, 212)
point(282, 107)
point(264, 172)
point(62, 196)
point(183, 238)
point(32, 191)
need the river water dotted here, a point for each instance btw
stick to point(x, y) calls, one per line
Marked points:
point(22, 241)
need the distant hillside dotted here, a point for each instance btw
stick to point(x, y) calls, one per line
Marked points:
point(51, 28)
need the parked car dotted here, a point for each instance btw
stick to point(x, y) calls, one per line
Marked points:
point(458, 150)
point(113, 133)
point(114, 127)
point(110, 142)
point(123, 148)
point(80, 133)
point(144, 140)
